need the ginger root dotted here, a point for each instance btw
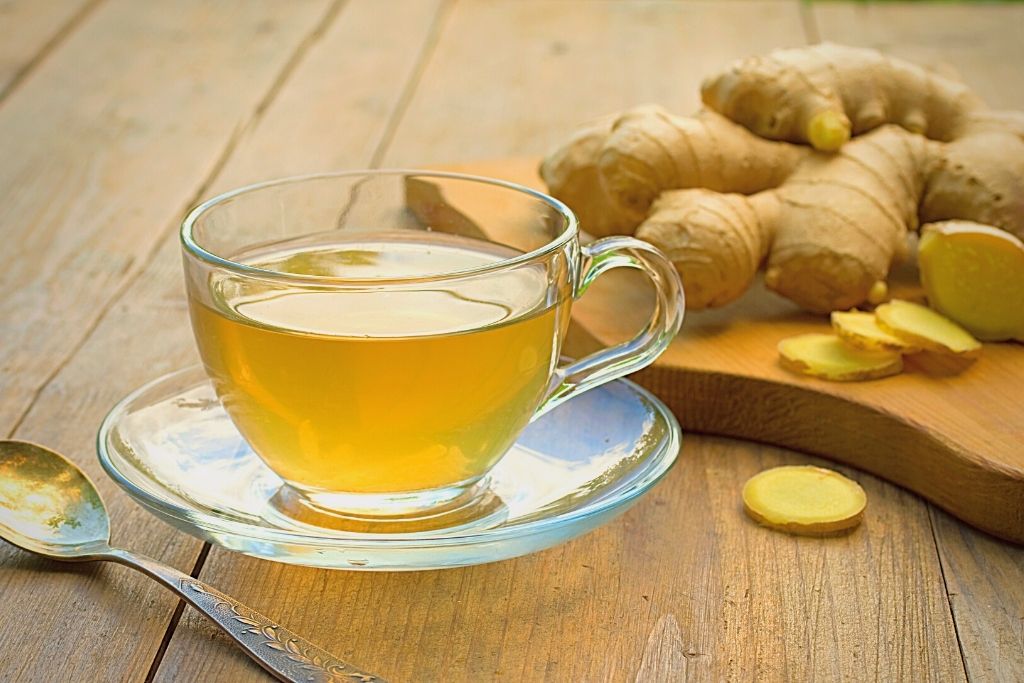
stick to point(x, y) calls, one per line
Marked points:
point(922, 327)
point(860, 329)
point(829, 357)
point(805, 500)
point(579, 186)
point(723, 201)
point(824, 93)
point(974, 275)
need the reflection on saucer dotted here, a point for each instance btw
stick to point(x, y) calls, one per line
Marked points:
point(172, 447)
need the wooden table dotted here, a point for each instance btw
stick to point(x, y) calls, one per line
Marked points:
point(117, 115)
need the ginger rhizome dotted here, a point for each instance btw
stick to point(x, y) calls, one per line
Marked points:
point(723, 201)
point(805, 500)
point(824, 94)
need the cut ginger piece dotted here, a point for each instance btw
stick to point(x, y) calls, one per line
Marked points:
point(829, 357)
point(860, 329)
point(974, 274)
point(803, 499)
point(926, 329)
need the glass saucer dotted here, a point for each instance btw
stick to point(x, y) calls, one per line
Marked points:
point(172, 447)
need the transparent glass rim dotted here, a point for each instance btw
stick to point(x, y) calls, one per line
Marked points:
point(193, 248)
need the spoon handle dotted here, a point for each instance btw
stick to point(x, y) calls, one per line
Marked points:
point(284, 654)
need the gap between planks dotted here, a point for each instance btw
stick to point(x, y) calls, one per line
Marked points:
point(810, 22)
point(945, 588)
point(409, 89)
point(48, 47)
point(172, 625)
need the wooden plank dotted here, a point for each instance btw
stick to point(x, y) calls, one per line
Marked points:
point(29, 29)
point(985, 581)
point(514, 79)
point(102, 150)
point(981, 43)
point(331, 113)
point(682, 585)
point(107, 143)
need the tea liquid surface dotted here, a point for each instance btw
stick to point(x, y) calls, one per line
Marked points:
point(375, 389)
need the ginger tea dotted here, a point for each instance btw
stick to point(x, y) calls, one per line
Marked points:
point(375, 390)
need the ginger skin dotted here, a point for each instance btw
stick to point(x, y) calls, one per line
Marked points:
point(579, 186)
point(824, 94)
point(723, 202)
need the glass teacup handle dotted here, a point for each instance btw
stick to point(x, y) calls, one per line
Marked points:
point(640, 351)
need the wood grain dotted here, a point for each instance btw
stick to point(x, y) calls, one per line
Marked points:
point(29, 29)
point(106, 145)
point(983, 45)
point(985, 581)
point(99, 159)
point(980, 45)
point(683, 584)
point(510, 78)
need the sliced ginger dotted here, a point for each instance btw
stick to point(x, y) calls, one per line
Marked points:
point(829, 357)
point(926, 329)
point(869, 346)
point(974, 274)
point(806, 500)
point(860, 329)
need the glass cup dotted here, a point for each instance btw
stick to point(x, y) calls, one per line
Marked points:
point(381, 338)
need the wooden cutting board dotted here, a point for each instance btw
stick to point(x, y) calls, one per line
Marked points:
point(952, 434)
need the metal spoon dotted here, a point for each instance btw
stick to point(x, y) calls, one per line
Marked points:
point(49, 507)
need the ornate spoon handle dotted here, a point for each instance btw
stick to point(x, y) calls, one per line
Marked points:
point(284, 654)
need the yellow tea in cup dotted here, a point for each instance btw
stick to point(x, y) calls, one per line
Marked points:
point(382, 338)
point(381, 390)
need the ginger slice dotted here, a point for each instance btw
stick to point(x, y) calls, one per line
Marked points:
point(974, 274)
point(805, 500)
point(926, 329)
point(829, 357)
point(860, 329)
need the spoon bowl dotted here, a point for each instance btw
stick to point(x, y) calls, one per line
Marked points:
point(49, 506)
